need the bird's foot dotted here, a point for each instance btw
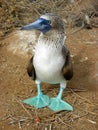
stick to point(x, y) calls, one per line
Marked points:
point(38, 101)
point(57, 104)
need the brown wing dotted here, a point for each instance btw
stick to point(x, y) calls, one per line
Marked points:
point(67, 68)
point(31, 70)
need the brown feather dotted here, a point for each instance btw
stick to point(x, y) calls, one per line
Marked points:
point(31, 70)
point(67, 68)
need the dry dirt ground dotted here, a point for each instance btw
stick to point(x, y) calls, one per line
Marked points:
point(81, 92)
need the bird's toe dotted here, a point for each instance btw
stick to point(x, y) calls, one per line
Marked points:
point(38, 102)
point(58, 105)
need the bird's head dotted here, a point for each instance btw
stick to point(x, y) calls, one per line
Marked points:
point(46, 23)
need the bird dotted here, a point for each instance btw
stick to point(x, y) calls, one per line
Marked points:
point(51, 62)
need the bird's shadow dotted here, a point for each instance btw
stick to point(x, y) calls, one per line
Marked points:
point(82, 72)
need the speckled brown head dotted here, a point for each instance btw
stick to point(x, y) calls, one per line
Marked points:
point(54, 20)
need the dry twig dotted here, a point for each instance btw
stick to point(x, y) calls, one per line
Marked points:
point(24, 108)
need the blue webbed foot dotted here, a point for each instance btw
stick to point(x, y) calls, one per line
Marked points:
point(38, 101)
point(57, 104)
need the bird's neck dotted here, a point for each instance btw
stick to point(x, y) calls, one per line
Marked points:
point(52, 37)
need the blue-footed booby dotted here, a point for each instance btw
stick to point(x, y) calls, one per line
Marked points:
point(51, 62)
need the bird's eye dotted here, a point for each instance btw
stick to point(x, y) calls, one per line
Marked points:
point(49, 22)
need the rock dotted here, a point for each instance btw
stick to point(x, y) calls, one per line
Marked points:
point(21, 42)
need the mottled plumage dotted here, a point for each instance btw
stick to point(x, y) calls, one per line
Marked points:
point(30, 69)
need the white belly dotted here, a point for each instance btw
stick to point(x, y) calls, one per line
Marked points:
point(48, 62)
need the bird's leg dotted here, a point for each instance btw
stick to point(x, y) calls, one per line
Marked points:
point(60, 93)
point(57, 104)
point(39, 90)
point(40, 100)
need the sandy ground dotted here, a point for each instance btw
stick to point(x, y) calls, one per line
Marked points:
point(81, 92)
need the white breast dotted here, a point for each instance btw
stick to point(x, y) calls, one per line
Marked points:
point(48, 62)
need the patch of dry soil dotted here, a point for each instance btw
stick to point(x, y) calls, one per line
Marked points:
point(81, 92)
